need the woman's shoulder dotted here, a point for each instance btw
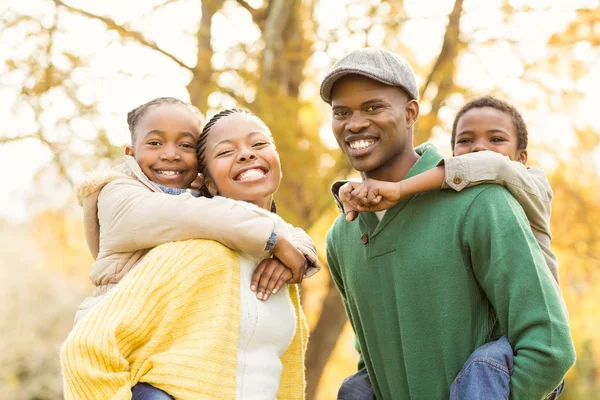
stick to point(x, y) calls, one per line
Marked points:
point(204, 249)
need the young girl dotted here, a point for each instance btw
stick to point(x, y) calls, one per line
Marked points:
point(145, 202)
point(489, 142)
point(185, 320)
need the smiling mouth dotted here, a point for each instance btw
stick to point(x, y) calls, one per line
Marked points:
point(250, 174)
point(361, 144)
point(168, 173)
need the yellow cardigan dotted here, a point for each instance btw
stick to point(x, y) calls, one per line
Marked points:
point(173, 323)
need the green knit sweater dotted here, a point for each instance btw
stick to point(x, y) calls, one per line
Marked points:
point(441, 274)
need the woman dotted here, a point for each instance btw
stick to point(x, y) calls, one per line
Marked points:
point(185, 320)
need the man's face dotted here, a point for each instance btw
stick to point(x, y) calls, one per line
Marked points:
point(370, 123)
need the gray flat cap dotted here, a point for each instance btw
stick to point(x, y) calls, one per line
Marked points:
point(378, 64)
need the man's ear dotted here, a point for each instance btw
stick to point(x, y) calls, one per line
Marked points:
point(522, 156)
point(412, 113)
point(129, 151)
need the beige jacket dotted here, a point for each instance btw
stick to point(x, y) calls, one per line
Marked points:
point(528, 185)
point(125, 215)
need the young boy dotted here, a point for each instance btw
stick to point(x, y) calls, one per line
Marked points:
point(489, 142)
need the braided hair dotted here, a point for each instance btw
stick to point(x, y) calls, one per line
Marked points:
point(500, 105)
point(135, 116)
point(201, 144)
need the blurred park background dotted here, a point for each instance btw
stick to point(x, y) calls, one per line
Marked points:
point(70, 71)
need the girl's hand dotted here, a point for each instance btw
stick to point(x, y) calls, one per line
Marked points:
point(269, 277)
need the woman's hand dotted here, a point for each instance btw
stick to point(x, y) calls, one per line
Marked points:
point(269, 277)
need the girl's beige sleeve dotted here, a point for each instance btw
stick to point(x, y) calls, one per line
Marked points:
point(133, 218)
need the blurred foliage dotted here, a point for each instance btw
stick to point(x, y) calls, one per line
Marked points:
point(46, 260)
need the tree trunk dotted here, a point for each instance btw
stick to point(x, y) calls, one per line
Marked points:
point(324, 338)
point(202, 83)
point(442, 75)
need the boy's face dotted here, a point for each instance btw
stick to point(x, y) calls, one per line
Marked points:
point(241, 160)
point(165, 146)
point(487, 128)
point(371, 122)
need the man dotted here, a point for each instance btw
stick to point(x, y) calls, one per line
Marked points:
point(441, 273)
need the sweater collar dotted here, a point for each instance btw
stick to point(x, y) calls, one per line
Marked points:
point(429, 157)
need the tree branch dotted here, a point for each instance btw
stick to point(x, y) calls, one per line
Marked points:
point(124, 32)
point(451, 39)
point(6, 140)
point(258, 15)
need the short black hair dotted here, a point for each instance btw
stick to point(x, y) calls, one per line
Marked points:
point(135, 116)
point(500, 105)
point(201, 144)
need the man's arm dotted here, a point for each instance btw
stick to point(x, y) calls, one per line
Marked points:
point(509, 266)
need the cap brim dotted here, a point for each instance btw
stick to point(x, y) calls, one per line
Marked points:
point(331, 78)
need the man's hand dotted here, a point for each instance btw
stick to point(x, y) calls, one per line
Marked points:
point(269, 277)
point(349, 203)
point(292, 258)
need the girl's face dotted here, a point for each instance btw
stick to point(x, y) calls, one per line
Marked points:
point(165, 145)
point(487, 128)
point(241, 160)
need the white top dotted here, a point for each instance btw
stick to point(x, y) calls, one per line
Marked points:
point(266, 330)
point(380, 214)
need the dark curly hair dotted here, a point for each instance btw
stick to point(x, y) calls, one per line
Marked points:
point(135, 116)
point(201, 144)
point(500, 105)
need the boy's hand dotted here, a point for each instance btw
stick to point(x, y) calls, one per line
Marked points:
point(269, 277)
point(292, 258)
point(372, 195)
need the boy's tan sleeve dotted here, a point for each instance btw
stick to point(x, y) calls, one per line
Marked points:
point(133, 218)
point(528, 185)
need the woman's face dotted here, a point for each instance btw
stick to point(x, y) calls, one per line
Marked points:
point(241, 160)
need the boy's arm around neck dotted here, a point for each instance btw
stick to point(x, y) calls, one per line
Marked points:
point(508, 265)
point(133, 218)
point(529, 186)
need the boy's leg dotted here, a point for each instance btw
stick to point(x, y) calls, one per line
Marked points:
point(144, 391)
point(356, 387)
point(486, 374)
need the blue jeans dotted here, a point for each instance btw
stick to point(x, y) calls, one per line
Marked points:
point(356, 387)
point(144, 391)
point(485, 375)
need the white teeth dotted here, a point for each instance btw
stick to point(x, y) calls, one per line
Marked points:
point(250, 174)
point(361, 144)
point(169, 172)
